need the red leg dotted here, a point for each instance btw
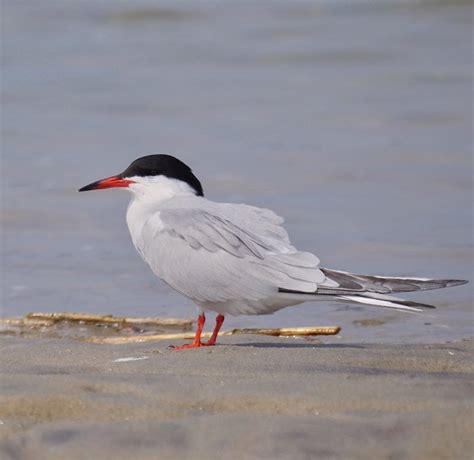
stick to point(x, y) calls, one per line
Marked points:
point(219, 320)
point(197, 338)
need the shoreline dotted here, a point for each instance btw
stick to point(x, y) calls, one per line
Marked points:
point(249, 397)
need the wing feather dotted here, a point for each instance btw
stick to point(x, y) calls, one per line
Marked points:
point(226, 252)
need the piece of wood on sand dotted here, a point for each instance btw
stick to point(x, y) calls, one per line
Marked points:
point(108, 319)
point(278, 332)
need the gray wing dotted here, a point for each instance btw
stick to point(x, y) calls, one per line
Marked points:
point(220, 252)
point(344, 282)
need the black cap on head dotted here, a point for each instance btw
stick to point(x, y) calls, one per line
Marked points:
point(163, 165)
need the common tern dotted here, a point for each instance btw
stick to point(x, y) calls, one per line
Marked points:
point(235, 259)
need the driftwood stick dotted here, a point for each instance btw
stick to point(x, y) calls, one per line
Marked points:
point(290, 331)
point(146, 338)
point(287, 332)
point(22, 322)
point(109, 319)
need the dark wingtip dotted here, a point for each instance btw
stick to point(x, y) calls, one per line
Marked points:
point(450, 283)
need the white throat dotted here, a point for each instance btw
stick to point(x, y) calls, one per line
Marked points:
point(149, 193)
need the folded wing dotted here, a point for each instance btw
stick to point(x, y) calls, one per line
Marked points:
point(224, 252)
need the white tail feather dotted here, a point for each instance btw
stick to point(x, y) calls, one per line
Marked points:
point(378, 302)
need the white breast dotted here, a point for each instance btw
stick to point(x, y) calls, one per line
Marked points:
point(137, 215)
point(149, 194)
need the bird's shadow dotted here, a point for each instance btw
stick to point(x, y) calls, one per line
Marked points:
point(298, 345)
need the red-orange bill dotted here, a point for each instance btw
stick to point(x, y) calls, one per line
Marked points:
point(108, 182)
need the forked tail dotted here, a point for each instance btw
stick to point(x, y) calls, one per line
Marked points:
point(376, 290)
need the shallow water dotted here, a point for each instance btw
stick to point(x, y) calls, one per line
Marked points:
point(351, 119)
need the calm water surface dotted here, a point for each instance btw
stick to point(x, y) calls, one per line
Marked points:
point(350, 118)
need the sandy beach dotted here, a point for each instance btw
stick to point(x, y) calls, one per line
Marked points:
point(351, 119)
point(248, 398)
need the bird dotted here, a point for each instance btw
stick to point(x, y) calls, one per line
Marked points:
point(235, 259)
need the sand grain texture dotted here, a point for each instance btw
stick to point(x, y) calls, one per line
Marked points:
point(248, 398)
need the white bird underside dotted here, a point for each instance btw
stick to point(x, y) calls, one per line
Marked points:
point(237, 259)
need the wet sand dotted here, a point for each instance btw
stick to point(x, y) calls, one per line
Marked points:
point(249, 398)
